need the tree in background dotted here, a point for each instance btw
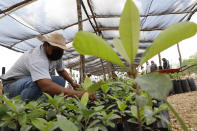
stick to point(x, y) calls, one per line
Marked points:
point(192, 60)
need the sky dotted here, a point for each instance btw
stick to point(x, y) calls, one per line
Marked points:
point(188, 47)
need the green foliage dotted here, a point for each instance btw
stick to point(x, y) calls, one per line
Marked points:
point(191, 61)
point(65, 124)
point(90, 44)
point(156, 85)
point(87, 83)
point(84, 99)
point(121, 50)
point(170, 36)
point(130, 29)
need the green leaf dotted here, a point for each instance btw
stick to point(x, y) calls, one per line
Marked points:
point(121, 105)
point(134, 111)
point(120, 48)
point(9, 103)
point(130, 29)
point(90, 44)
point(25, 128)
point(148, 114)
point(105, 88)
point(93, 123)
point(3, 109)
point(163, 118)
point(22, 118)
point(162, 107)
point(87, 83)
point(170, 36)
point(93, 129)
point(39, 123)
point(181, 122)
point(94, 87)
point(141, 100)
point(156, 85)
point(65, 125)
point(84, 99)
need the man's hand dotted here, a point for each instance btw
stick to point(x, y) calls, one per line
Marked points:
point(91, 95)
point(75, 85)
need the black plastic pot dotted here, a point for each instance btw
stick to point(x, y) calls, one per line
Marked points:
point(118, 127)
point(160, 124)
point(173, 90)
point(185, 86)
point(192, 84)
point(6, 129)
point(177, 86)
point(131, 127)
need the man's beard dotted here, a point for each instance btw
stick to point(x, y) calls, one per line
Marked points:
point(56, 54)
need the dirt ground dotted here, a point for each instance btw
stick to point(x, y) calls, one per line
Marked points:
point(186, 106)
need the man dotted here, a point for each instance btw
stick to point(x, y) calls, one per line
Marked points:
point(34, 72)
point(166, 64)
point(91, 77)
point(148, 67)
point(153, 67)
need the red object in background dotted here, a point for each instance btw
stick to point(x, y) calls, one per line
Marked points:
point(181, 69)
point(169, 70)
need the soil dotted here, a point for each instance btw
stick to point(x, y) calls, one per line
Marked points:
point(186, 106)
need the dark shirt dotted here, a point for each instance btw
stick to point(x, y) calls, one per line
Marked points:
point(153, 67)
point(166, 64)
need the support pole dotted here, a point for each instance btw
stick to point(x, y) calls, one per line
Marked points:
point(159, 55)
point(98, 31)
point(180, 57)
point(80, 27)
point(103, 69)
point(109, 67)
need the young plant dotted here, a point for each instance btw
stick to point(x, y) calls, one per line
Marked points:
point(156, 85)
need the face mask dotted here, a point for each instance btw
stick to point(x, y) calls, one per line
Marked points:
point(56, 54)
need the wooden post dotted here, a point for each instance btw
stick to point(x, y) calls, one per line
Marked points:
point(103, 69)
point(180, 58)
point(80, 27)
point(159, 55)
point(109, 67)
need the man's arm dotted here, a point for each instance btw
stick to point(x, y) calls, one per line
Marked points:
point(48, 86)
point(66, 76)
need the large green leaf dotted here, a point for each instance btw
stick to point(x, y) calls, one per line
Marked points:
point(94, 87)
point(120, 48)
point(130, 29)
point(84, 98)
point(65, 125)
point(87, 83)
point(90, 44)
point(172, 35)
point(156, 85)
point(39, 123)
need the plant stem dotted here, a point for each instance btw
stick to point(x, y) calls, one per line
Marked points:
point(17, 126)
point(138, 109)
point(133, 74)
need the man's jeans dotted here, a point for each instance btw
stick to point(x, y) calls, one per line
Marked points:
point(26, 88)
